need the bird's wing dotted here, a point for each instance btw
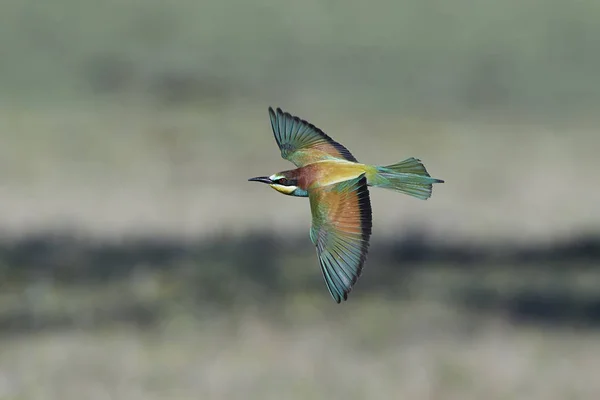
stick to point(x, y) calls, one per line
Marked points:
point(341, 228)
point(303, 143)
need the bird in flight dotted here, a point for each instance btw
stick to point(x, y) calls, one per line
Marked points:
point(336, 186)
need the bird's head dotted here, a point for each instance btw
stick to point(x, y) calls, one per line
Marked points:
point(283, 182)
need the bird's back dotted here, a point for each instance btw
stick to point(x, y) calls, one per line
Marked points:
point(328, 172)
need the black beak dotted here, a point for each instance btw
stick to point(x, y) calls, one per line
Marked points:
point(263, 179)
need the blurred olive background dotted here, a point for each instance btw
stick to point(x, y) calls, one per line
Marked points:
point(136, 261)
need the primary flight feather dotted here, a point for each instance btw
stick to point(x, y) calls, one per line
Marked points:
point(336, 185)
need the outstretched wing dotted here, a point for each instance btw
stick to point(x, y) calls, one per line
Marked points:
point(303, 143)
point(341, 228)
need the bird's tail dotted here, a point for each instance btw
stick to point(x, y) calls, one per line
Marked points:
point(408, 177)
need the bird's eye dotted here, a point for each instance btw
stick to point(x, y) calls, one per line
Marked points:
point(283, 181)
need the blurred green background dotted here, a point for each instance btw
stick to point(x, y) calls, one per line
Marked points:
point(136, 261)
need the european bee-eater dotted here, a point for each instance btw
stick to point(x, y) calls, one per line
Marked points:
point(336, 186)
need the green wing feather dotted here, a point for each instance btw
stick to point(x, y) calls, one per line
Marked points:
point(303, 143)
point(341, 229)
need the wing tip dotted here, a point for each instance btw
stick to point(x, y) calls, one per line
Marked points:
point(276, 111)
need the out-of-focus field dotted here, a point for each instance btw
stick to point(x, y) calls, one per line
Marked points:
point(160, 110)
point(184, 173)
point(377, 350)
point(136, 261)
point(154, 321)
